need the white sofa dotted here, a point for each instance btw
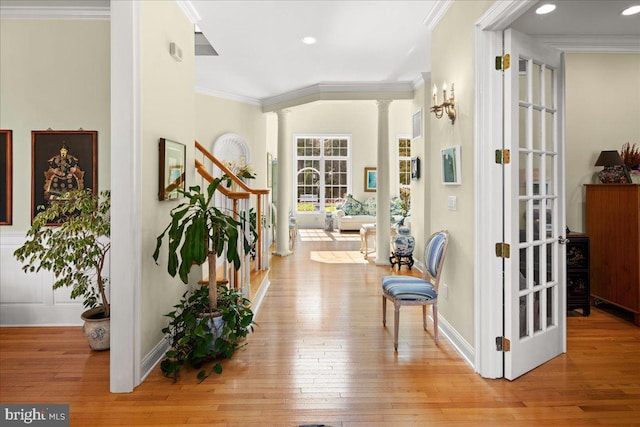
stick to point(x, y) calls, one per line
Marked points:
point(352, 214)
point(353, 222)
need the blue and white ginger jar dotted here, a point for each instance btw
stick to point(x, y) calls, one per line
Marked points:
point(403, 242)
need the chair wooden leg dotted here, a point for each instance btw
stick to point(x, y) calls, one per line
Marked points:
point(424, 317)
point(434, 309)
point(396, 324)
point(384, 311)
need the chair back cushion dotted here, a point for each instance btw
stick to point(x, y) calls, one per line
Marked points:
point(434, 251)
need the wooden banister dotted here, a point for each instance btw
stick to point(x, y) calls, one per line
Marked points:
point(235, 195)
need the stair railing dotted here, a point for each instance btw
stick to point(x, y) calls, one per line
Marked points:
point(240, 202)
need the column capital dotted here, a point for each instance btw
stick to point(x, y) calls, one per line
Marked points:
point(383, 103)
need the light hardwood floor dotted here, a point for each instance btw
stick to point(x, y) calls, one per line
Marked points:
point(321, 356)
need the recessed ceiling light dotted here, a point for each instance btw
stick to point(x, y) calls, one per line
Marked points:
point(309, 40)
point(546, 8)
point(631, 10)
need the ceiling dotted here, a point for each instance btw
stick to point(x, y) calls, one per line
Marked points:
point(261, 54)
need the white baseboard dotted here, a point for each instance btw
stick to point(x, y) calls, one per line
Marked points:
point(152, 358)
point(459, 343)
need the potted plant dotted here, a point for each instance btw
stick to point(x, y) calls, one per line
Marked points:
point(75, 251)
point(199, 232)
point(197, 342)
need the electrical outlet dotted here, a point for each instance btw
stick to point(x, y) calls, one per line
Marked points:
point(444, 290)
point(452, 203)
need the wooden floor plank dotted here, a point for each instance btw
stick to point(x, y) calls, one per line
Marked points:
point(321, 356)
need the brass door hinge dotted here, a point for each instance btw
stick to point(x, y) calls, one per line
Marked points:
point(503, 62)
point(503, 157)
point(503, 250)
point(503, 344)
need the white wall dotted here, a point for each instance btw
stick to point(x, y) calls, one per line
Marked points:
point(603, 111)
point(452, 62)
point(53, 74)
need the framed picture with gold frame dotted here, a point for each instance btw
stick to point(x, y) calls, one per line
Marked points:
point(62, 161)
point(370, 179)
point(6, 175)
point(172, 169)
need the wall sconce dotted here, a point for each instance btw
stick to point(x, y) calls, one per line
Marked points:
point(447, 106)
point(614, 169)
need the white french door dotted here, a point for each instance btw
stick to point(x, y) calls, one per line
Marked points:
point(534, 204)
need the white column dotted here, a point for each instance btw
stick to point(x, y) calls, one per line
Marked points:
point(126, 196)
point(383, 215)
point(285, 167)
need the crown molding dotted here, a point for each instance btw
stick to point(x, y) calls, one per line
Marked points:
point(339, 91)
point(189, 10)
point(592, 44)
point(14, 10)
point(421, 79)
point(229, 96)
point(436, 13)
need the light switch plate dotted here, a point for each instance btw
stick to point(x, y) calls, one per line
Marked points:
point(452, 203)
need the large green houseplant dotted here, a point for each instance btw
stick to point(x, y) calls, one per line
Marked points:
point(75, 250)
point(199, 232)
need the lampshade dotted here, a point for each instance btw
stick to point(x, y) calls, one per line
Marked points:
point(609, 158)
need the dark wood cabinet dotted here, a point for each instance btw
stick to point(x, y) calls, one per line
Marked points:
point(578, 281)
point(613, 226)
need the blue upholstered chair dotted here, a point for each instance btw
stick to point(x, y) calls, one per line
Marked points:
point(410, 290)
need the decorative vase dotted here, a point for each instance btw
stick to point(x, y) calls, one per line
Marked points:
point(403, 242)
point(97, 328)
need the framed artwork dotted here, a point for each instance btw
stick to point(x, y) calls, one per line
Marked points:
point(171, 169)
point(451, 166)
point(416, 124)
point(6, 175)
point(370, 179)
point(269, 170)
point(415, 168)
point(62, 161)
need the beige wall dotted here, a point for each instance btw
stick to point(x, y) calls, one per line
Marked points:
point(452, 62)
point(53, 74)
point(420, 206)
point(602, 113)
point(217, 116)
point(167, 111)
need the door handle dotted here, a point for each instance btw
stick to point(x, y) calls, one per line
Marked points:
point(562, 240)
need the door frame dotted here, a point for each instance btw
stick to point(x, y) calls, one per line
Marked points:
point(488, 137)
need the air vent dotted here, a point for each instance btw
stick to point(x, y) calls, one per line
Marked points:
point(203, 47)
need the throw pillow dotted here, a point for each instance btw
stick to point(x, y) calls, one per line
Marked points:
point(369, 206)
point(351, 206)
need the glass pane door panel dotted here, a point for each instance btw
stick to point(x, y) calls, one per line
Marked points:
point(537, 130)
point(523, 127)
point(536, 85)
point(537, 306)
point(524, 168)
point(551, 298)
point(523, 86)
point(524, 314)
point(548, 86)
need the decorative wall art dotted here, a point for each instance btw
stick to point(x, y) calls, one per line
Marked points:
point(370, 179)
point(5, 177)
point(451, 166)
point(171, 169)
point(415, 168)
point(62, 161)
point(416, 124)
